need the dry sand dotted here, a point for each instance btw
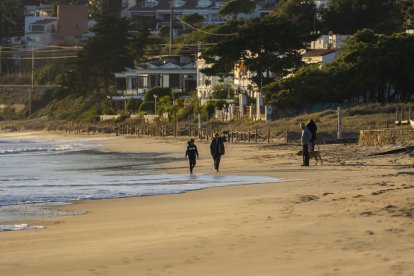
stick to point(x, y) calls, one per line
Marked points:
point(352, 216)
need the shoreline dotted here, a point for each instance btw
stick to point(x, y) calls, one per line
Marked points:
point(348, 216)
point(58, 209)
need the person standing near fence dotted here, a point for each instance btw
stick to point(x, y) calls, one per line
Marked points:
point(311, 125)
point(192, 154)
point(217, 150)
point(305, 140)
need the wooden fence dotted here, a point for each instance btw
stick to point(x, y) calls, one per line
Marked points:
point(157, 129)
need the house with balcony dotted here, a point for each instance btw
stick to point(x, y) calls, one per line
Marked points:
point(175, 72)
point(206, 83)
point(156, 13)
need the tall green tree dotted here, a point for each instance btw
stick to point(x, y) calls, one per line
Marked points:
point(143, 44)
point(269, 46)
point(105, 53)
point(194, 19)
point(235, 7)
point(302, 12)
point(350, 16)
point(104, 7)
point(11, 18)
point(371, 68)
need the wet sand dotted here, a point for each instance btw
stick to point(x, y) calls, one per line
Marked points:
point(353, 215)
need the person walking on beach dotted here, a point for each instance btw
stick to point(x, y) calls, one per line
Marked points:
point(305, 140)
point(192, 154)
point(312, 128)
point(217, 150)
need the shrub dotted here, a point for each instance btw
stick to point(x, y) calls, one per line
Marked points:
point(222, 91)
point(208, 110)
point(159, 91)
point(147, 106)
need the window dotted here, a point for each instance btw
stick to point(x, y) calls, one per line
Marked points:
point(179, 3)
point(150, 3)
point(38, 28)
point(220, 4)
point(204, 3)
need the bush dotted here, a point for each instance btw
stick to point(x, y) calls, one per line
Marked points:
point(222, 91)
point(220, 104)
point(208, 110)
point(132, 105)
point(159, 91)
point(147, 106)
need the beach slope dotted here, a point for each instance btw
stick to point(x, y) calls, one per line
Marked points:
point(354, 215)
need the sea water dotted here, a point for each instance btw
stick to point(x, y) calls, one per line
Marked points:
point(36, 174)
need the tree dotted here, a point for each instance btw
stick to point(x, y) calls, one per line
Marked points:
point(157, 91)
point(302, 12)
point(11, 18)
point(234, 7)
point(104, 7)
point(194, 19)
point(143, 44)
point(105, 53)
point(268, 47)
point(350, 16)
point(371, 67)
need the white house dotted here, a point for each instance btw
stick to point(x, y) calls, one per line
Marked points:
point(329, 41)
point(41, 29)
point(175, 72)
point(321, 56)
point(206, 83)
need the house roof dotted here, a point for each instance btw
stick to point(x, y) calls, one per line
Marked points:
point(168, 65)
point(190, 5)
point(319, 52)
point(32, 2)
point(44, 21)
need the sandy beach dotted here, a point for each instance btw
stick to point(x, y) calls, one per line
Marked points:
point(353, 215)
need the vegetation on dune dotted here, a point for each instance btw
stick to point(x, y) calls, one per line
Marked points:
point(371, 68)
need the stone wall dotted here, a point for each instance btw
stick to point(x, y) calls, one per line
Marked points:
point(384, 137)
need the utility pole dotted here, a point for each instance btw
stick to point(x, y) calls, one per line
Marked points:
point(31, 89)
point(171, 27)
point(1, 62)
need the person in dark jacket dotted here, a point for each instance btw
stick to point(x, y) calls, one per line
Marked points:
point(217, 150)
point(312, 128)
point(192, 154)
point(305, 140)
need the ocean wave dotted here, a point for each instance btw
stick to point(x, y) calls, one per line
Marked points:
point(35, 150)
point(18, 227)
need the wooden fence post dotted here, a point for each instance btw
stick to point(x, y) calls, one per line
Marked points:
point(255, 136)
point(268, 135)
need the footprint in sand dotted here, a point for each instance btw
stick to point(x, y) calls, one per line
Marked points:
point(367, 214)
point(307, 198)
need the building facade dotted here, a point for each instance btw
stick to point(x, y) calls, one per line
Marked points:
point(41, 28)
point(156, 13)
point(174, 72)
point(319, 56)
point(72, 20)
point(329, 41)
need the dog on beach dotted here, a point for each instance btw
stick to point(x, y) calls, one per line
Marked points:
point(313, 154)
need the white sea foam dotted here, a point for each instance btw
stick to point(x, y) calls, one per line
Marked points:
point(18, 227)
point(36, 145)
